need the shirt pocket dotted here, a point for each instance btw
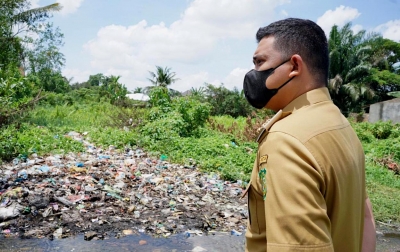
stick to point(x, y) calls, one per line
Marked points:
point(255, 204)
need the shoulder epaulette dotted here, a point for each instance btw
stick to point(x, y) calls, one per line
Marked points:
point(267, 125)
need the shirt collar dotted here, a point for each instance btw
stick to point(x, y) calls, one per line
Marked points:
point(311, 97)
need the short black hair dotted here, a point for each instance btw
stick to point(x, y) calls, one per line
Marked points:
point(302, 37)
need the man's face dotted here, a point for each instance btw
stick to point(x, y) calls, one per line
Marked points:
point(266, 57)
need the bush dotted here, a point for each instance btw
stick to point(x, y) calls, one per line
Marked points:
point(166, 127)
point(382, 130)
point(193, 113)
point(29, 139)
point(227, 102)
point(16, 99)
point(181, 117)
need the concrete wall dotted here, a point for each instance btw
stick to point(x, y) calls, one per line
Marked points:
point(385, 111)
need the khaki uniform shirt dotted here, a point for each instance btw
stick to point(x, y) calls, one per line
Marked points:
point(307, 188)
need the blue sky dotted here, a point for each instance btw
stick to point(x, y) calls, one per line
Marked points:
point(201, 40)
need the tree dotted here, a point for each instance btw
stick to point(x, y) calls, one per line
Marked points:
point(349, 68)
point(96, 80)
point(17, 22)
point(363, 68)
point(112, 89)
point(227, 102)
point(163, 77)
point(138, 90)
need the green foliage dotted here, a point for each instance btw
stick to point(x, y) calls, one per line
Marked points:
point(107, 136)
point(16, 98)
point(213, 152)
point(362, 68)
point(159, 97)
point(27, 37)
point(381, 139)
point(368, 132)
point(172, 118)
point(27, 40)
point(227, 102)
point(112, 89)
point(163, 77)
point(193, 113)
point(166, 127)
point(29, 139)
point(382, 130)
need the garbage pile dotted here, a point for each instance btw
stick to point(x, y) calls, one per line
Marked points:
point(100, 192)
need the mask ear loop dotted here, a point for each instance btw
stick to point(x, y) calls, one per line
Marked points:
point(282, 63)
point(277, 89)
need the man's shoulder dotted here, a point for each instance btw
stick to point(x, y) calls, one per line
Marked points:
point(307, 122)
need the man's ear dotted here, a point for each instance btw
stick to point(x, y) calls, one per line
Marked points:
point(297, 65)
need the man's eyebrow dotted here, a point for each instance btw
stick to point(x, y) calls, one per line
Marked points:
point(257, 56)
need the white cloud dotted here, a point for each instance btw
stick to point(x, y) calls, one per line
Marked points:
point(193, 80)
point(78, 75)
point(134, 50)
point(69, 6)
point(340, 16)
point(235, 78)
point(390, 30)
point(356, 28)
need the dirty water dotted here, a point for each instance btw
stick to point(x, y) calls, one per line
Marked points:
point(388, 238)
point(217, 242)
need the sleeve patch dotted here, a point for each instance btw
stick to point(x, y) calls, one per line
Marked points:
point(263, 159)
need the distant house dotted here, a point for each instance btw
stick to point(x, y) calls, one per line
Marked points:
point(138, 97)
point(385, 111)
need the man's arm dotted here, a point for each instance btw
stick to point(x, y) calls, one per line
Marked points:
point(295, 209)
point(369, 234)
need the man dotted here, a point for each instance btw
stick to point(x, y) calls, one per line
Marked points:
point(307, 188)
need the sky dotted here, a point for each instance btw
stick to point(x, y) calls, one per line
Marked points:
point(201, 41)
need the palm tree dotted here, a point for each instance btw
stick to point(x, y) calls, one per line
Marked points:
point(32, 15)
point(349, 68)
point(163, 77)
point(138, 90)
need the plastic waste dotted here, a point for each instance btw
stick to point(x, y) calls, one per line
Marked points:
point(120, 175)
point(4, 202)
point(64, 201)
point(77, 169)
point(114, 195)
point(15, 161)
point(10, 212)
point(23, 174)
point(44, 168)
point(79, 164)
point(236, 233)
point(163, 157)
point(58, 233)
point(104, 157)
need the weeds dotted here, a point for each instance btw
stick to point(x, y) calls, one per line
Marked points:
point(248, 132)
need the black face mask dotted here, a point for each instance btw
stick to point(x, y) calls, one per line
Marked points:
point(255, 89)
